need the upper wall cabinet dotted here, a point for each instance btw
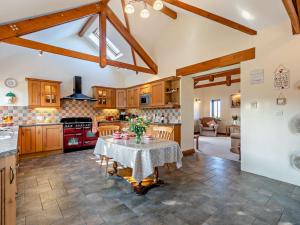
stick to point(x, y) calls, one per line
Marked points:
point(158, 94)
point(43, 93)
point(121, 98)
point(106, 97)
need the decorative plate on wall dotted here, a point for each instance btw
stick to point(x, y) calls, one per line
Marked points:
point(10, 82)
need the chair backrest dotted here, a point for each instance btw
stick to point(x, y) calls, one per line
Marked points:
point(162, 132)
point(107, 130)
point(205, 120)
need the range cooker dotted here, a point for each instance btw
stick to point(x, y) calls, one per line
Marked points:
point(78, 133)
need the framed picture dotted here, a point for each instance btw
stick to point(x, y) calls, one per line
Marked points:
point(236, 100)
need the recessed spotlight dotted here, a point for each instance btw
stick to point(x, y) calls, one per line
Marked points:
point(41, 53)
point(247, 15)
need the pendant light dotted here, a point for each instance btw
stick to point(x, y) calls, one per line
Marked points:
point(158, 5)
point(145, 12)
point(129, 9)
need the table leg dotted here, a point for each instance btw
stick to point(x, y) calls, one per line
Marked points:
point(156, 177)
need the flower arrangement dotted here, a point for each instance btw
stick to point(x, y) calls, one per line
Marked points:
point(138, 126)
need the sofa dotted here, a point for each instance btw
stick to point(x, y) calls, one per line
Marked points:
point(208, 126)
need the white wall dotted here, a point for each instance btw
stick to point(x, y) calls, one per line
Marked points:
point(223, 93)
point(267, 138)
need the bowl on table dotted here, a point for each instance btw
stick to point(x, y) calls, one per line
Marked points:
point(117, 135)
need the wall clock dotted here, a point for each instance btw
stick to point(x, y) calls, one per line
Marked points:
point(10, 82)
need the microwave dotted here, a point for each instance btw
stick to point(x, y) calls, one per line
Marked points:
point(145, 99)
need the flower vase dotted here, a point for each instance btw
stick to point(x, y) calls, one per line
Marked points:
point(138, 138)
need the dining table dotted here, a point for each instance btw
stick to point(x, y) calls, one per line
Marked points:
point(143, 159)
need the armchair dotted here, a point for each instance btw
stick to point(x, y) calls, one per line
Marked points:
point(206, 129)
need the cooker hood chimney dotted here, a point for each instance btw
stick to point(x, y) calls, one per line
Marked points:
point(77, 91)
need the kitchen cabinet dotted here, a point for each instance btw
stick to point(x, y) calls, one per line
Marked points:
point(52, 137)
point(158, 94)
point(121, 98)
point(43, 138)
point(28, 140)
point(43, 93)
point(106, 97)
point(145, 89)
point(133, 97)
point(8, 190)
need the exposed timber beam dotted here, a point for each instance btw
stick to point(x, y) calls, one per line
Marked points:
point(70, 53)
point(166, 10)
point(43, 22)
point(102, 39)
point(212, 16)
point(211, 77)
point(87, 25)
point(217, 83)
point(131, 40)
point(226, 60)
point(291, 9)
point(128, 27)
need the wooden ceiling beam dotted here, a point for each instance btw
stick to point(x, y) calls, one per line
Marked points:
point(211, 16)
point(218, 75)
point(128, 27)
point(131, 40)
point(223, 61)
point(87, 25)
point(166, 10)
point(217, 84)
point(70, 53)
point(291, 9)
point(102, 38)
point(44, 22)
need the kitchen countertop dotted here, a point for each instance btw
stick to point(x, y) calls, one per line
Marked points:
point(8, 146)
point(38, 124)
point(122, 121)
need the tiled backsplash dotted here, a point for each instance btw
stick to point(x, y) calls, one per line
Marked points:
point(22, 114)
point(173, 115)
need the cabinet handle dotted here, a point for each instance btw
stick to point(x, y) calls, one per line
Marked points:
point(12, 175)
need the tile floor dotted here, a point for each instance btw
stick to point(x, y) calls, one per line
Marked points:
point(71, 189)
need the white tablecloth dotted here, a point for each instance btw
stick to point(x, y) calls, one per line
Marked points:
point(142, 158)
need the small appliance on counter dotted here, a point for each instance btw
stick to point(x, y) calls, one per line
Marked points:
point(123, 116)
point(78, 133)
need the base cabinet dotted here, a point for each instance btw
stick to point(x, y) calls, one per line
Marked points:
point(8, 190)
point(35, 139)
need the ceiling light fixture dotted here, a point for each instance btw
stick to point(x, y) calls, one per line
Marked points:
point(41, 53)
point(145, 13)
point(247, 15)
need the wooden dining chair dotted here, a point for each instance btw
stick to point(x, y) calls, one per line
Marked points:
point(164, 133)
point(105, 131)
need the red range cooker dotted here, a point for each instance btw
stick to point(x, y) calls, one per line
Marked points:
point(78, 133)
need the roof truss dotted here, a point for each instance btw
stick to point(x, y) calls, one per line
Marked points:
point(293, 9)
point(10, 33)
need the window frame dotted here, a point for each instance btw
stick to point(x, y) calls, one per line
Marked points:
point(215, 103)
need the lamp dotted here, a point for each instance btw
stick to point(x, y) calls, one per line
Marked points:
point(158, 5)
point(129, 9)
point(145, 13)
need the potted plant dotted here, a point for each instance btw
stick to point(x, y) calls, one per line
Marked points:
point(138, 126)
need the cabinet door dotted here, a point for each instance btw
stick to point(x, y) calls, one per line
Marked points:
point(28, 140)
point(38, 139)
point(34, 93)
point(145, 89)
point(10, 190)
point(2, 190)
point(130, 98)
point(50, 96)
point(136, 97)
point(158, 94)
point(111, 98)
point(52, 137)
point(121, 99)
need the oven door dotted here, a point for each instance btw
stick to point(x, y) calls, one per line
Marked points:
point(72, 140)
point(89, 138)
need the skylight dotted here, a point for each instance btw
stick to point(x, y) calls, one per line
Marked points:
point(112, 51)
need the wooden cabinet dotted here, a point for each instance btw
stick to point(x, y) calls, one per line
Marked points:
point(121, 98)
point(52, 138)
point(8, 190)
point(145, 89)
point(43, 93)
point(158, 94)
point(28, 140)
point(106, 97)
point(133, 97)
point(35, 139)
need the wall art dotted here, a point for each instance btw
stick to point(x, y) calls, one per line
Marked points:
point(282, 78)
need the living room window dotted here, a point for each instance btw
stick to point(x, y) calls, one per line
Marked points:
point(215, 108)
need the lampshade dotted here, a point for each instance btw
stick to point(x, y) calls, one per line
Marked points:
point(129, 9)
point(158, 5)
point(145, 13)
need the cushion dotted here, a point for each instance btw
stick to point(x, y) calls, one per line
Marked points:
point(211, 123)
point(235, 135)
